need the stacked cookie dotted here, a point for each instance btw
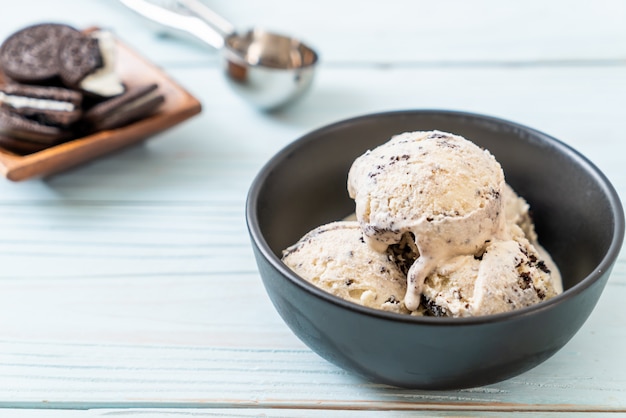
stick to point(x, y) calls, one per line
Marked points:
point(60, 84)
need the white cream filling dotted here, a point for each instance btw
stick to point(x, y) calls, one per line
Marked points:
point(104, 81)
point(19, 102)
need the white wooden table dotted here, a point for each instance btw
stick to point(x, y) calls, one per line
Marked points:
point(128, 287)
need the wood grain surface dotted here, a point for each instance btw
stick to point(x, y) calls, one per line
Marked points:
point(128, 286)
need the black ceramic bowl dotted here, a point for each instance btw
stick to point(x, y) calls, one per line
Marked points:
point(578, 216)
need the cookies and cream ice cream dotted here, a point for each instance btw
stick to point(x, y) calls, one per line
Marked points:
point(437, 207)
point(336, 258)
point(442, 189)
point(508, 275)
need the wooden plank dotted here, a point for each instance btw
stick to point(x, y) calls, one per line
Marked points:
point(215, 157)
point(216, 341)
point(372, 33)
point(270, 413)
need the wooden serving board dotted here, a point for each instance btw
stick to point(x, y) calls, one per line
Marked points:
point(133, 69)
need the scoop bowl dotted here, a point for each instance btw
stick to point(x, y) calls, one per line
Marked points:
point(269, 70)
point(578, 216)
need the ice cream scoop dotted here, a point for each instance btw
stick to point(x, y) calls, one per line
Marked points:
point(508, 274)
point(267, 69)
point(440, 188)
point(334, 257)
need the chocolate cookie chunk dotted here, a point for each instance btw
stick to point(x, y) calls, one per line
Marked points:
point(20, 127)
point(31, 54)
point(47, 105)
point(134, 104)
point(432, 309)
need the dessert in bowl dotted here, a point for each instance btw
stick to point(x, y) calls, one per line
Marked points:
point(304, 186)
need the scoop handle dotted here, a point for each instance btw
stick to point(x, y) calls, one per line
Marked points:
point(192, 24)
point(217, 22)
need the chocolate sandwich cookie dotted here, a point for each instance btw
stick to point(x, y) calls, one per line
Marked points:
point(20, 127)
point(136, 103)
point(87, 62)
point(47, 105)
point(20, 147)
point(30, 55)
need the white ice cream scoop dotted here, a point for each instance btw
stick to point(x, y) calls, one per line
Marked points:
point(267, 69)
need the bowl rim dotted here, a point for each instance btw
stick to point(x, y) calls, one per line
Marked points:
point(263, 247)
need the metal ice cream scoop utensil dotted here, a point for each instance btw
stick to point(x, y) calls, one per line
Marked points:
point(267, 69)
